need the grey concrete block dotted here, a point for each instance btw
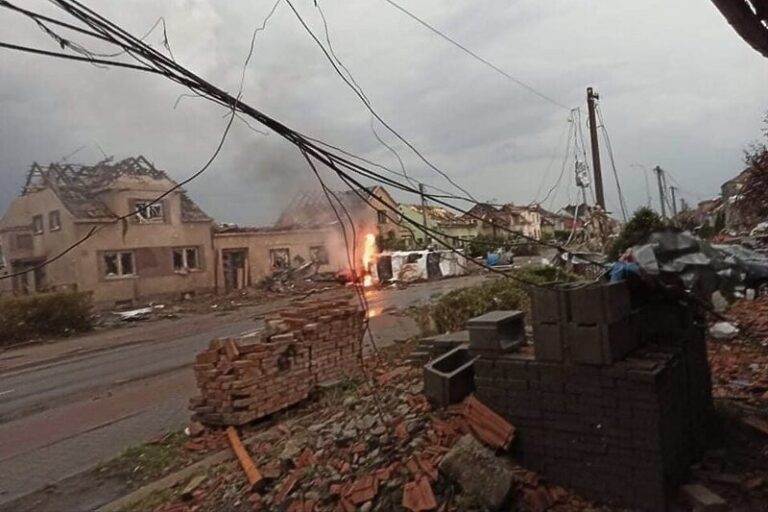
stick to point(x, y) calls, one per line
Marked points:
point(599, 303)
point(549, 305)
point(585, 343)
point(549, 342)
point(497, 331)
point(450, 378)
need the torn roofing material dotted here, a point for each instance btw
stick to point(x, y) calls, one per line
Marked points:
point(78, 186)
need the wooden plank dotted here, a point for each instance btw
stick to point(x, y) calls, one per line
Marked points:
point(253, 474)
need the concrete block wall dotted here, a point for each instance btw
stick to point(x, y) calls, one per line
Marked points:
point(244, 379)
point(618, 428)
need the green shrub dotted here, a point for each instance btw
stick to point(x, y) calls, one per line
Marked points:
point(453, 310)
point(42, 315)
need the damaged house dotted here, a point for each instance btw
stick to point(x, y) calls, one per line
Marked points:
point(162, 249)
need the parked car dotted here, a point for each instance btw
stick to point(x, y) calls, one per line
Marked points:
point(752, 263)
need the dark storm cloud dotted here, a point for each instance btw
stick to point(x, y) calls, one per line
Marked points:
point(678, 88)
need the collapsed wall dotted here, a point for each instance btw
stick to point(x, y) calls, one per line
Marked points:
point(244, 379)
point(614, 400)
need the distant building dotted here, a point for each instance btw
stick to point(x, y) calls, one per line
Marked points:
point(730, 193)
point(371, 210)
point(506, 220)
point(447, 226)
point(164, 248)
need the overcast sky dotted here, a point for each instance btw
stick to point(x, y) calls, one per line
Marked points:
point(678, 89)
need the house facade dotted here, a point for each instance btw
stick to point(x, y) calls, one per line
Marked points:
point(68, 212)
point(448, 227)
point(246, 255)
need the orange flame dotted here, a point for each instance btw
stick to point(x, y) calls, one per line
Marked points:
point(369, 249)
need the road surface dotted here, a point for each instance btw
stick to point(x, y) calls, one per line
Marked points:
point(63, 416)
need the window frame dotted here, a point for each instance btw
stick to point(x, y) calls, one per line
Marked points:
point(35, 229)
point(119, 263)
point(382, 217)
point(139, 210)
point(319, 249)
point(54, 214)
point(274, 251)
point(185, 259)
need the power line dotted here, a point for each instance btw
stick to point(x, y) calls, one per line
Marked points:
point(483, 60)
point(173, 71)
point(607, 139)
point(367, 103)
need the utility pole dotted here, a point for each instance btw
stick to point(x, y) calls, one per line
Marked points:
point(424, 213)
point(659, 177)
point(591, 97)
point(674, 202)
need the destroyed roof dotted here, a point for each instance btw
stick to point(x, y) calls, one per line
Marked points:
point(487, 212)
point(78, 186)
point(439, 214)
point(313, 209)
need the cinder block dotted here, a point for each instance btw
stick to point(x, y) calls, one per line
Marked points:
point(450, 377)
point(549, 342)
point(585, 344)
point(549, 304)
point(497, 332)
point(599, 303)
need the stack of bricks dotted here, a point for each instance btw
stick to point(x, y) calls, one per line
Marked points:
point(617, 419)
point(241, 380)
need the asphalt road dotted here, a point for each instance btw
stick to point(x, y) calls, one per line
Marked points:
point(60, 417)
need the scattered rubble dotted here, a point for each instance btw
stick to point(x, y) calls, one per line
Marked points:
point(752, 316)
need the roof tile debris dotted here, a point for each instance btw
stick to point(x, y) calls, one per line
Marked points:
point(79, 186)
point(418, 495)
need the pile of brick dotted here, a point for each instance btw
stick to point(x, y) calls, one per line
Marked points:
point(244, 379)
point(614, 400)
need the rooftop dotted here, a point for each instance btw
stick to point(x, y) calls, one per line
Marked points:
point(78, 186)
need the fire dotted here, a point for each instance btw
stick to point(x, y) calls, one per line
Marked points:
point(369, 249)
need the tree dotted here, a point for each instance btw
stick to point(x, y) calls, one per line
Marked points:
point(753, 200)
point(643, 223)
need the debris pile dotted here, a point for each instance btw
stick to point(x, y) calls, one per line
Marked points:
point(241, 381)
point(752, 316)
point(380, 451)
point(739, 370)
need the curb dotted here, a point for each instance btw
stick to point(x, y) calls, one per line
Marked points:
point(166, 482)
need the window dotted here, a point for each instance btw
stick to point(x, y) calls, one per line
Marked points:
point(147, 211)
point(24, 242)
point(318, 254)
point(119, 264)
point(54, 221)
point(186, 258)
point(382, 216)
point(280, 258)
point(37, 224)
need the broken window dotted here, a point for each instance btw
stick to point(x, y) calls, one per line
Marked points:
point(186, 258)
point(37, 224)
point(54, 220)
point(382, 216)
point(148, 211)
point(119, 264)
point(280, 258)
point(318, 254)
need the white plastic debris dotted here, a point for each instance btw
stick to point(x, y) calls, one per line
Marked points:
point(723, 331)
point(719, 302)
point(134, 314)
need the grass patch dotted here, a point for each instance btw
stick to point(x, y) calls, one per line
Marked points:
point(150, 460)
